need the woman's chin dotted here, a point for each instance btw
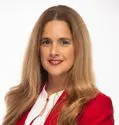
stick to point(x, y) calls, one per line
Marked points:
point(56, 74)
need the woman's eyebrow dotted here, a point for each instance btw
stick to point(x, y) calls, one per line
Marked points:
point(65, 38)
point(44, 38)
point(61, 38)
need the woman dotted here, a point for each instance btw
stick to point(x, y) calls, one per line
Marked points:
point(57, 85)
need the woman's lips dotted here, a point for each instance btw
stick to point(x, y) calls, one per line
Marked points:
point(55, 62)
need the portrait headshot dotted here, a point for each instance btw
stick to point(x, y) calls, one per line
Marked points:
point(58, 82)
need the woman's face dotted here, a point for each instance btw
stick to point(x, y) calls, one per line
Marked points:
point(56, 48)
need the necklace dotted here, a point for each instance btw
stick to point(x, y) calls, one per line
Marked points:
point(52, 98)
point(47, 100)
point(44, 108)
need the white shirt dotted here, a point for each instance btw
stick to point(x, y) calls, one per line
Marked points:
point(38, 106)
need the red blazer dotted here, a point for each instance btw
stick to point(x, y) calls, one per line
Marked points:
point(98, 111)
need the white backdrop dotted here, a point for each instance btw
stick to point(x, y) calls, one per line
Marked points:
point(17, 18)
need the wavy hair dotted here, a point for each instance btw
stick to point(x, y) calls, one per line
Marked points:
point(80, 83)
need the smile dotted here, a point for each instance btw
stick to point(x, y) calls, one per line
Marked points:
point(55, 62)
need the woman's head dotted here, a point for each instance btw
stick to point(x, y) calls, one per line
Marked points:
point(79, 33)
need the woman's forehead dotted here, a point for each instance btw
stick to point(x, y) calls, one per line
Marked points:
point(56, 29)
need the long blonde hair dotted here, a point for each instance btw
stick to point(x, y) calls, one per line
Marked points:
point(80, 83)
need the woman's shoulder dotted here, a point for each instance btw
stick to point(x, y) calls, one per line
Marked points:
point(100, 99)
point(97, 111)
point(101, 102)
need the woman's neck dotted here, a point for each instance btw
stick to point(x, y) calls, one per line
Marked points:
point(55, 84)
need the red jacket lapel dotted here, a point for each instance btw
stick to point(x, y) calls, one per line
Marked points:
point(54, 114)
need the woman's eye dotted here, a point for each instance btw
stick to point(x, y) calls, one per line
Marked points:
point(64, 42)
point(45, 42)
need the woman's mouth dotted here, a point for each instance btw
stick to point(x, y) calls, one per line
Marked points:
point(55, 62)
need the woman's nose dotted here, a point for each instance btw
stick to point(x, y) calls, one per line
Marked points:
point(54, 50)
